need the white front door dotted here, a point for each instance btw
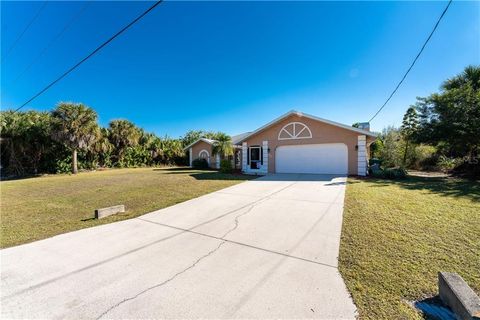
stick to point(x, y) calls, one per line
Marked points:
point(328, 158)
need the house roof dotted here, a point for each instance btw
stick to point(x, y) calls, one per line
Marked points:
point(209, 141)
point(237, 138)
point(301, 114)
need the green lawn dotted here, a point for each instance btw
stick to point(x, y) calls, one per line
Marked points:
point(397, 235)
point(38, 208)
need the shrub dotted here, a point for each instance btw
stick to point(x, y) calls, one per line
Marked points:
point(388, 173)
point(226, 166)
point(470, 168)
point(376, 172)
point(395, 173)
point(374, 161)
point(64, 165)
point(200, 163)
point(136, 156)
point(447, 164)
point(392, 152)
point(424, 157)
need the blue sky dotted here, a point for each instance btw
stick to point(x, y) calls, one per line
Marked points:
point(233, 66)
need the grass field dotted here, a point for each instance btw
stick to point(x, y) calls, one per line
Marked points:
point(397, 235)
point(37, 208)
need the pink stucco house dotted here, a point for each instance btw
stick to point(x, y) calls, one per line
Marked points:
point(295, 143)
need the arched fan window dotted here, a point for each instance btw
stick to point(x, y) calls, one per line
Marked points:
point(294, 130)
point(204, 155)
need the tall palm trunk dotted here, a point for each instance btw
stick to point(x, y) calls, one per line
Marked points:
point(74, 161)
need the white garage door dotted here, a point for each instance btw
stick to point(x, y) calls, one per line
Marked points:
point(329, 158)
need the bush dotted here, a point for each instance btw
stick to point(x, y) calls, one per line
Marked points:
point(388, 173)
point(64, 165)
point(136, 156)
point(424, 157)
point(226, 166)
point(395, 173)
point(200, 163)
point(470, 168)
point(447, 164)
point(374, 161)
point(376, 172)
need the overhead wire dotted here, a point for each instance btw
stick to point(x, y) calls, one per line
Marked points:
point(55, 39)
point(20, 36)
point(414, 60)
point(63, 75)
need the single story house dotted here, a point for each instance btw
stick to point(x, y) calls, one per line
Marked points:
point(295, 143)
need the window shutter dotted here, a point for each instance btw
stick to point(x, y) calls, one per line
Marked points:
point(261, 155)
point(248, 156)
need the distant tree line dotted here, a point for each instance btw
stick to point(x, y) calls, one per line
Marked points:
point(69, 139)
point(441, 131)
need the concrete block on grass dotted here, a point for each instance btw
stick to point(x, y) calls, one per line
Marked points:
point(105, 212)
point(456, 293)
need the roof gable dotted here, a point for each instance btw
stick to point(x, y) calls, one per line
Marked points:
point(209, 141)
point(293, 112)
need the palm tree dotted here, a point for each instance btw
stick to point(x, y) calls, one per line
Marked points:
point(102, 147)
point(470, 76)
point(172, 150)
point(74, 125)
point(223, 145)
point(153, 145)
point(123, 134)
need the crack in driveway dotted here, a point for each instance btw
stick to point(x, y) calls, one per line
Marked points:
point(100, 263)
point(161, 283)
point(237, 217)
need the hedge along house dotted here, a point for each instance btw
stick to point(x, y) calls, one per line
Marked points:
point(296, 143)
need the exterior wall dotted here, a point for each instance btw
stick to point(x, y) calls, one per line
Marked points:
point(244, 157)
point(321, 133)
point(190, 156)
point(202, 145)
point(362, 155)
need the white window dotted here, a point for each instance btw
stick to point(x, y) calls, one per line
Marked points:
point(294, 130)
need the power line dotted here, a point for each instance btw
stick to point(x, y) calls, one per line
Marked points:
point(45, 49)
point(91, 54)
point(414, 61)
point(14, 44)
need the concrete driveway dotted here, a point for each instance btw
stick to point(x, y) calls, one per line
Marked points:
point(265, 248)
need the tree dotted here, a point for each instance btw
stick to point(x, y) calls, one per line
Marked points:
point(223, 145)
point(74, 125)
point(102, 148)
point(409, 129)
point(452, 117)
point(172, 150)
point(376, 148)
point(26, 142)
point(390, 153)
point(193, 135)
point(123, 134)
